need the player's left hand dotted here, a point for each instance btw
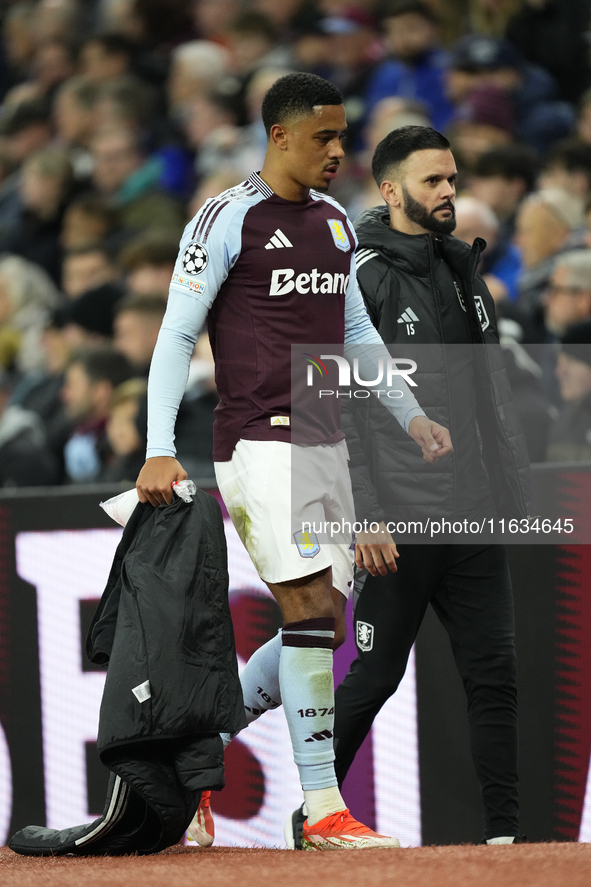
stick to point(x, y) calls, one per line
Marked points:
point(433, 439)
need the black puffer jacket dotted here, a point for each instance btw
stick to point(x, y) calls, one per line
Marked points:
point(163, 625)
point(401, 276)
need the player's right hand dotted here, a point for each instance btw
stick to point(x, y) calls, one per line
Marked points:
point(376, 552)
point(154, 484)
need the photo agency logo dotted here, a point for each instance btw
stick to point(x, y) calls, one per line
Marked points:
point(382, 372)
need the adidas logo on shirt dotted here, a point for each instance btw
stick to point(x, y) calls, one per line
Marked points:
point(278, 241)
point(409, 318)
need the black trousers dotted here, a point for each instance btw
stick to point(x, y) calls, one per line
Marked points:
point(469, 587)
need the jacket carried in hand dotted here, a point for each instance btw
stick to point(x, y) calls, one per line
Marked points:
point(164, 628)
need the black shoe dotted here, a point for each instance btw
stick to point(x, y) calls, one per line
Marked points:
point(293, 829)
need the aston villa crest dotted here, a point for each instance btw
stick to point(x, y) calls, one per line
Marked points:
point(307, 543)
point(364, 636)
point(339, 235)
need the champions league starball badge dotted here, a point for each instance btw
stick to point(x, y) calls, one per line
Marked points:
point(195, 259)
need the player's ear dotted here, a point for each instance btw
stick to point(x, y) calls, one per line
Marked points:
point(390, 191)
point(278, 136)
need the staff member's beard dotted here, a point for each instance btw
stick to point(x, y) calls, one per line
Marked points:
point(419, 214)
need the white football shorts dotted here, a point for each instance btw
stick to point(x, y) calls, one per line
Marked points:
point(285, 522)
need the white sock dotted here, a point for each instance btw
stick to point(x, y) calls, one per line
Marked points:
point(506, 839)
point(260, 683)
point(307, 690)
point(321, 802)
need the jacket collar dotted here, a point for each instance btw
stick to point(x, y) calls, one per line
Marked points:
point(412, 252)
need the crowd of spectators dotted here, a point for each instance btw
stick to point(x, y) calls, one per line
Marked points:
point(119, 118)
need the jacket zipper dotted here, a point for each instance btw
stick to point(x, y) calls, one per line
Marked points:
point(437, 295)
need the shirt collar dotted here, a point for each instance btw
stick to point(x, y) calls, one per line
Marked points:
point(260, 185)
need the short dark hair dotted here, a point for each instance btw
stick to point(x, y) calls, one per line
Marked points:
point(103, 364)
point(400, 144)
point(509, 162)
point(394, 8)
point(571, 155)
point(297, 95)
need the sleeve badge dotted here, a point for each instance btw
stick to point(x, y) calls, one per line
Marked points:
point(339, 234)
point(195, 259)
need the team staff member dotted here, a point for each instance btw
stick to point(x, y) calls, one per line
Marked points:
point(271, 263)
point(421, 288)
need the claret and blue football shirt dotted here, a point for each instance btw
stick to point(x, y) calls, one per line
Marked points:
point(266, 273)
